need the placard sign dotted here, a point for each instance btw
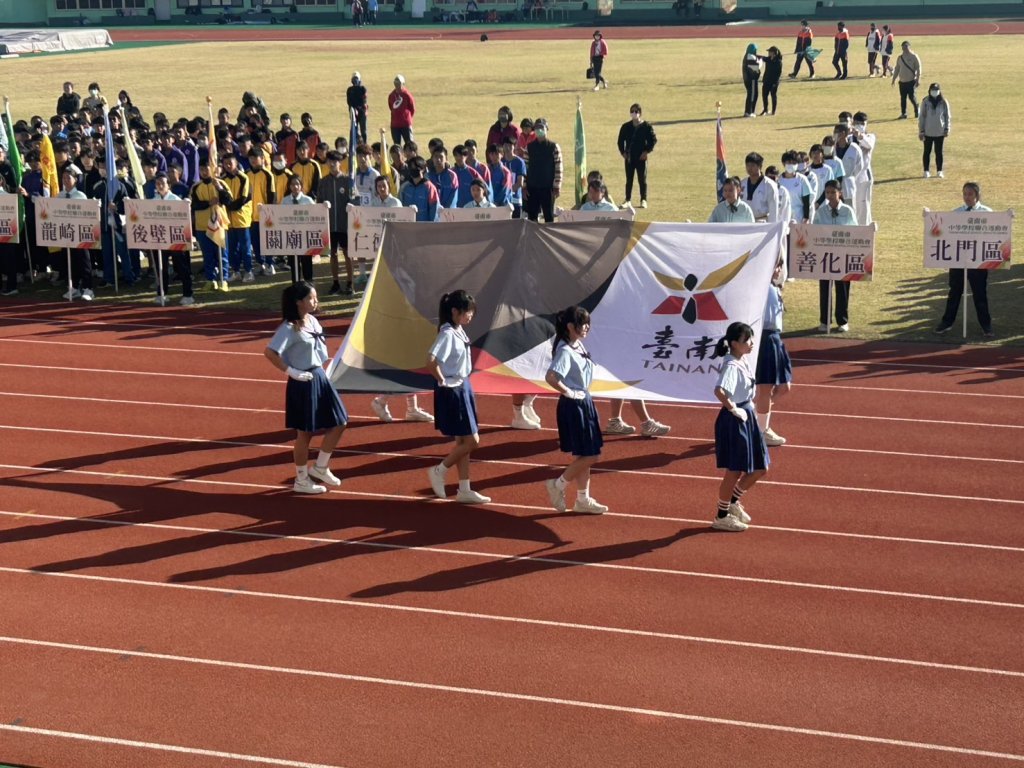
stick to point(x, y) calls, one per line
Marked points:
point(366, 227)
point(9, 231)
point(494, 213)
point(158, 225)
point(294, 230)
point(825, 252)
point(568, 217)
point(967, 239)
point(67, 223)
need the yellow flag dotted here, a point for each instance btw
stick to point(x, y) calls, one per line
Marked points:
point(48, 163)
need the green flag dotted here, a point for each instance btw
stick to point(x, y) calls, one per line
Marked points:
point(14, 158)
point(581, 156)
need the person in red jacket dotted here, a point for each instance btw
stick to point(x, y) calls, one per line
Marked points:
point(403, 108)
point(598, 53)
point(840, 59)
point(804, 38)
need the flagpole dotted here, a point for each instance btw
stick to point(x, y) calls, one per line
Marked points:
point(71, 285)
point(963, 301)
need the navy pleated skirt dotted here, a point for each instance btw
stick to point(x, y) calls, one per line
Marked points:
point(579, 427)
point(739, 445)
point(311, 406)
point(455, 410)
point(773, 363)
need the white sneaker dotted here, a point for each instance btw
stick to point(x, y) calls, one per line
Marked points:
point(73, 294)
point(160, 300)
point(736, 510)
point(418, 414)
point(773, 439)
point(437, 481)
point(531, 414)
point(643, 203)
point(589, 506)
point(728, 523)
point(927, 175)
point(941, 175)
point(823, 328)
point(652, 428)
point(597, 87)
point(249, 277)
point(88, 295)
point(556, 495)
point(380, 407)
point(307, 486)
point(519, 421)
point(324, 475)
point(471, 497)
point(844, 328)
point(234, 277)
point(268, 269)
point(187, 301)
point(618, 427)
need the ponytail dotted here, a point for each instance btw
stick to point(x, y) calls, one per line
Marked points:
point(458, 300)
point(735, 332)
point(290, 298)
point(576, 315)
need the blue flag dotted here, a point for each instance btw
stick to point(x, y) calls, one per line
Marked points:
point(113, 183)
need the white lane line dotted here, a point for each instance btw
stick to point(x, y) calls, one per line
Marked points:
point(510, 463)
point(502, 618)
point(194, 751)
point(510, 696)
point(541, 561)
point(789, 446)
point(900, 363)
point(128, 347)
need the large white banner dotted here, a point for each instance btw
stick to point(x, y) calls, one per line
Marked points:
point(158, 225)
point(67, 223)
point(366, 228)
point(826, 252)
point(570, 217)
point(294, 230)
point(495, 213)
point(9, 230)
point(967, 239)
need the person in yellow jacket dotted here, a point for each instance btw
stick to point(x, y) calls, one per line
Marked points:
point(261, 185)
point(281, 173)
point(307, 170)
point(239, 220)
point(209, 195)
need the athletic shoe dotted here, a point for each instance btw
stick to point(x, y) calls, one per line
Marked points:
point(589, 506)
point(88, 295)
point(268, 269)
point(811, 76)
point(943, 328)
point(773, 439)
point(531, 414)
point(626, 203)
point(618, 427)
point(324, 475)
point(380, 407)
point(597, 87)
point(652, 428)
point(73, 294)
point(606, 85)
point(556, 495)
point(471, 497)
point(844, 328)
point(335, 288)
point(736, 510)
point(437, 482)
point(792, 75)
point(348, 290)
point(902, 117)
point(160, 300)
point(418, 414)
point(187, 301)
point(728, 523)
point(988, 333)
point(941, 175)
point(927, 174)
point(234, 277)
point(519, 421)
point(823, 328)
point(11, 292)
point(249, 277)
point(307, 486)
point(643, 203)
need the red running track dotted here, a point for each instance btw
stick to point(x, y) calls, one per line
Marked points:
point(168, 601)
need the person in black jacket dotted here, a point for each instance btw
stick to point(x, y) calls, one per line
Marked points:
point(69, 102)
point(355, 96)
point(636, 142)
point(543, 174)
point(770, 83)
point(336, 189)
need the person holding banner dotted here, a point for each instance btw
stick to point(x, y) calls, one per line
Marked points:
point(836, 213)
point(579, 426)
point(739, 445)
point(181, 260)
point(299, 262)
point(977, 278)
point(336, 190)
point(450, 362)
point(774, 368)
point(299, 349)
point(81, 259)
point(804, 38)
point(383, 197)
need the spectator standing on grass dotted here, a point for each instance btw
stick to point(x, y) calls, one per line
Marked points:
point(908, 72)
point(336, 190)
point(356, 99)
point(804, 38)
point(635, 143)
point(978, 278)
point(886, 49)
point(543, 174)
point(503, 128)
point(772, 76)
point(598, 53)
point(751, 76)
point(873, 42)
point(841, 54)
point(403, 110)
point(933, 127)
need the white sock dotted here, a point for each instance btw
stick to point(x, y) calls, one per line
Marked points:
point(561, 482)
point(301, 473)
point(323, 459)
point(518, 409)
point(762, 421)
point(410, 402)
point(583, 491)
point(528, 400)
point(767, 420)
point(464, 485)
point(441, 469)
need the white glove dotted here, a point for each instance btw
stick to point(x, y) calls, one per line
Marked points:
point(577, 394)
point(453, 383)
point(739, 413)
point(298, 375)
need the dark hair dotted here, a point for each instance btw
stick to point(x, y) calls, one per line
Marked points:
point(575, 315)
point(754, 158)
point(835, 184)
point(975, 186)
point(844, 115)
point(735, 332)
point(290, 298)
point(860, 117)
point(458, 300)
point(636, 108)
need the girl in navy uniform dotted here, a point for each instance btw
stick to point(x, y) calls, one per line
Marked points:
point(450, 363)
point(774, 369)
point(739, 445)
point(579, 427)
point(311, 404)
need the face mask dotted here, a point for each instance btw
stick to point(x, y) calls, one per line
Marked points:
point(94, 92)
point(278, 165)
point(933, 93)
point(541, 132)
point(790, 168)
point(827, 151)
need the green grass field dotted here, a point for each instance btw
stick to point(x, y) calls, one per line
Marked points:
point(458, 87)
